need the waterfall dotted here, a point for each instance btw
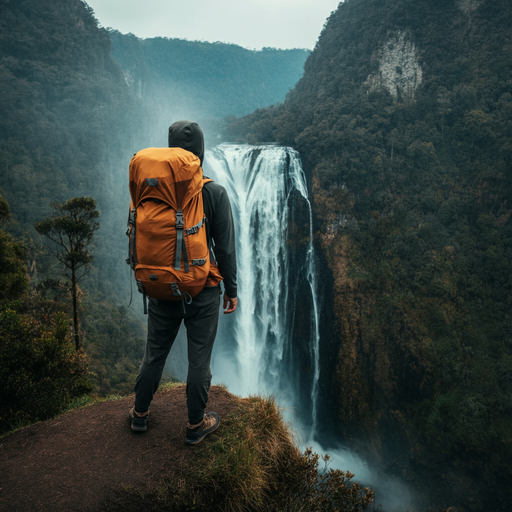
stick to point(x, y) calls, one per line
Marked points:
point(271, 343)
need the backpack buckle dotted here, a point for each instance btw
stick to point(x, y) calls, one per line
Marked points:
point(175, 290)
point(131, 219)
point(179, 220)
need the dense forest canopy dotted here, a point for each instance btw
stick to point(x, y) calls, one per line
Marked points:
point(213, 79)
point(179, 79)
point(64, 132)
point(404, 121)
point(63, 104)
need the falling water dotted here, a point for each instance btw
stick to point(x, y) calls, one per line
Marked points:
point(271, 344)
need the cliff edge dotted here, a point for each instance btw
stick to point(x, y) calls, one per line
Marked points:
point(82, 460)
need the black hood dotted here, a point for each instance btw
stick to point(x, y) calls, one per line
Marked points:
point(187, 135)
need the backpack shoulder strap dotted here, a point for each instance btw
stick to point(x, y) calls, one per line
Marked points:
point(208, 209)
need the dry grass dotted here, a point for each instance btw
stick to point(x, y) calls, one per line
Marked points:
point(253, 464)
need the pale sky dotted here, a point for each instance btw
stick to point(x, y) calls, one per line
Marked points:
point(252, 24)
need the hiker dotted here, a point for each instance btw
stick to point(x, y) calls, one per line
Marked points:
point(200, 313)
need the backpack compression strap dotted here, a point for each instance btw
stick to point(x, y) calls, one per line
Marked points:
point(131, 259)
point(132, 256)
point(194, 229)
point(181, 246)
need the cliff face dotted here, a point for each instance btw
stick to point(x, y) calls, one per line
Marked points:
point(417, 234)
point(403, 118)
point(399, 69)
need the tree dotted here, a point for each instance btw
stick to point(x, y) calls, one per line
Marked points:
point(13, 273)
point(72, 230)
point(5, 214)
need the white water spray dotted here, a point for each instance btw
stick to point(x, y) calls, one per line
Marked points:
point(268, 193)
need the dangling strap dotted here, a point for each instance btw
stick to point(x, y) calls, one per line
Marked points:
point(184, 296)
point(131, 246)
point(132, 257)
point(141, 289)
point(179, 239)
point(185, 257)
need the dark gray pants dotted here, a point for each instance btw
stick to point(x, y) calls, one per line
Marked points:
point(164, 319)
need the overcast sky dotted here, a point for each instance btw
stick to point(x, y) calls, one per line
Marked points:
point(249, 23)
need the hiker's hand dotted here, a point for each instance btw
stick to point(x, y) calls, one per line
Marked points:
point(230, 304)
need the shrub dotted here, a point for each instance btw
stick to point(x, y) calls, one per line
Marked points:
point(39, 368)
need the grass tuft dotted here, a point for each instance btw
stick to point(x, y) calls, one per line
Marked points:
point(253, 464)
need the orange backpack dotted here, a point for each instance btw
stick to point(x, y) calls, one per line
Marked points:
point(168, 247)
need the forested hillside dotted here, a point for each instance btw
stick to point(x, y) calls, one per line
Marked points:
point(178, 79)
point(63, 104)
point(63, 133)
point(212, 79)
point(404, 121)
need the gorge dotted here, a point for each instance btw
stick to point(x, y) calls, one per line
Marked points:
point(391, 242)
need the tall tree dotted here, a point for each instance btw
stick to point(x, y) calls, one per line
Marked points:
point(5, 214)
point(72, 229)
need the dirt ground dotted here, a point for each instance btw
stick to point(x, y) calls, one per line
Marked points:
point(79, 461)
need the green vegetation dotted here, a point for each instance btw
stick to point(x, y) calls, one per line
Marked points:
point(65, 107)
point(205, 79)
point(412, 196)
point(114, 341)
point(72, 229)
point(252, 463)
point(65, 126)
point(13, 278)
point(39, 370)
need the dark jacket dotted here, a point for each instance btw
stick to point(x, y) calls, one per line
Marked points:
point(221, 229)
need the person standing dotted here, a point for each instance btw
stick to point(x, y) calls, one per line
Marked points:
point(201, 316)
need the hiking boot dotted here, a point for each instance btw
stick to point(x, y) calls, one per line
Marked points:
point(139, 420)
point(196, 433)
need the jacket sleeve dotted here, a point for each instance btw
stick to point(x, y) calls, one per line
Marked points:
point(222, 231)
